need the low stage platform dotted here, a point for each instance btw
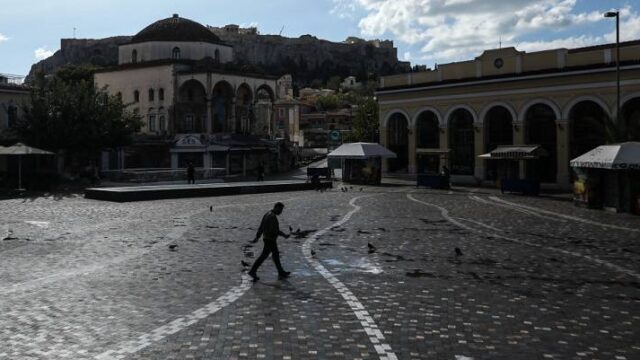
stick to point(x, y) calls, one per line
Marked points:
point(157, 192)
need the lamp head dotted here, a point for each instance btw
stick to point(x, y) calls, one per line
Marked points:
point(610, 14)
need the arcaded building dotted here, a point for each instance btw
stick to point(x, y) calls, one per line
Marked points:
point(560, 99)
point(195, 108)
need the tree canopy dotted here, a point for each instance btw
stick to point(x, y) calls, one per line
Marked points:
point(68, 112)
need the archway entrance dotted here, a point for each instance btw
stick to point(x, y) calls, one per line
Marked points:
point(428, 137)
point(498, 131)
point(462, 142)
point(398, 142)
point(630, 114)
point(191, 108)
point(221, 103)
point(586, 127)
point(540, 129)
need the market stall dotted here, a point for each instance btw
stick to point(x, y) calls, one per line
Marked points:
point(361, 162)
point(609, 176)
point(512, 158)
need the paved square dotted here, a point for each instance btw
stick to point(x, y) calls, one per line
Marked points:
point(537, 278)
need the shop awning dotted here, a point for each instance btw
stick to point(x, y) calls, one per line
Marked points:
point(433, 151)
point(361, 151)
point(616, 156)
point(515, 152)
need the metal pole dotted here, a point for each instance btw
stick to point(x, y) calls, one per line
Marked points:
point(618, 120)
point(19, 172)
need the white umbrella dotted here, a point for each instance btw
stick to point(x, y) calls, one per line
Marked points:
point(21, 149)
point(361, 150)
point(616, 156)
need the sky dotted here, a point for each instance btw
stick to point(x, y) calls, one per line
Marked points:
point(424, 31)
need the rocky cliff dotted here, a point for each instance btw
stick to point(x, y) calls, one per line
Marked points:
point(307, 58)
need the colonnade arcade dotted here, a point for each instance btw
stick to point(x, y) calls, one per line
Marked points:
point(223, 109)
point(430, 137)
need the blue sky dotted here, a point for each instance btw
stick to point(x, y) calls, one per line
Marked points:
point(425, 31)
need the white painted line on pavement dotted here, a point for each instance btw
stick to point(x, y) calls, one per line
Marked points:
point(130, 347)
point(568, 217)
point(445, 214)
point(510, 207)
point(366, 320)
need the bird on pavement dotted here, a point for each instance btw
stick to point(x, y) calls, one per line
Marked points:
point(210, 208)
point(244, 263)
point(173, 247)
point(360, 189)
point(290, 228)
point(313, 253)
point(458, 252)
point(372, 248)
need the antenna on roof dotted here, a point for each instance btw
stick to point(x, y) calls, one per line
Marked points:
point(280, 33)
point(74, 32)
point(500, 44)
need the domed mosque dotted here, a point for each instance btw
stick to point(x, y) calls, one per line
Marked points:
point(196, 105)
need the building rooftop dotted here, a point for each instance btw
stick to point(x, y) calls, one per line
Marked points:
point(176, 28)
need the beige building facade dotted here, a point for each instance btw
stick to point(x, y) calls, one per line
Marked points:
point(563, 100)
point(181, 80)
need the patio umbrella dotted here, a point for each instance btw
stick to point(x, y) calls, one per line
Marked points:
point(20, 149)
point(361, 150)
point(621, 156)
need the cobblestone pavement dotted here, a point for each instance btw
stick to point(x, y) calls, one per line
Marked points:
point(535, 278)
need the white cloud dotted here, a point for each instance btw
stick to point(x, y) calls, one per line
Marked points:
point(3, 38)
point(454, 30)
point(42, 53)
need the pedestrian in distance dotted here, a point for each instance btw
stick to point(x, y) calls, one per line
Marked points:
point(447, 176)
point(270, 230)
point(191, 173)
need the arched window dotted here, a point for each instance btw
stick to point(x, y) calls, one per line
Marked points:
point(136, 96)
point(217, 56)
point(162, 123)
point(151, 94)
point(152, 123)
point(176, 53)
point(134, 56)
point(161, 94)
point(12, 116)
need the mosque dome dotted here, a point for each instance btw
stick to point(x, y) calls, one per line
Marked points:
point(176, 28)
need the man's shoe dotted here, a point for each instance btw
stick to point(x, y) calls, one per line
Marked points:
point(284, 275)
point(253, 276)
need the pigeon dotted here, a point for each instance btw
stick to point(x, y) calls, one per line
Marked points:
point(351, 187)
point(313, 253)
point(290, 228)
point(210, 208)
point(458, 252)
point(297, 230)
point(360, 189)
point(244, 263)
point(372, 248)
point(173, 247)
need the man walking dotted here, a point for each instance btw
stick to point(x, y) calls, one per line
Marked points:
point(191, 173)
point(270, 229)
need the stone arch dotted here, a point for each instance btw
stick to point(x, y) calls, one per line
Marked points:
point(453, 108)
point(630, 113)
point(191, 107)
point(498, 122)
point(222, 96)
point(552, 105)
point(587, 121)
point(460, 121)
point(262, 89)
point(385, 121)
point(398, 141)
point(435, 111)
point(244, 109)
point(426, 124)
point(567, 109)
point(491, 105)
point(539, 126)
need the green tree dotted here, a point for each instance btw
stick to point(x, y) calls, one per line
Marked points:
point(69, 113)
point(328, 102)
point(365, 122)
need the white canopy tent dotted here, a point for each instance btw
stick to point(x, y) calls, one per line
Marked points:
point(20, 149)
point(361, 150)
point(623, 156)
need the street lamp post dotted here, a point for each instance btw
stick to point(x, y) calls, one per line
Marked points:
point(616, 14)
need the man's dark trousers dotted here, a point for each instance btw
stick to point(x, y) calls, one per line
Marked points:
point(270, 247)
